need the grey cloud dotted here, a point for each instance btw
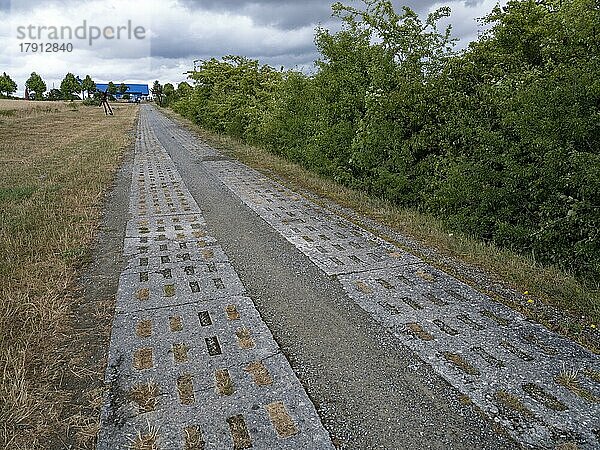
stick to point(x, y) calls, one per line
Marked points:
point(291, 14)
point(284, 14)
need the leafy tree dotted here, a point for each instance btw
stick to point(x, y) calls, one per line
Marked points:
point(183, 89)
point(123, 88)
point(7, 85)
point(69, 86)
point(55, 94)
point(112, 88)
point(499, 140)
point(88, 85)
point(157, 92)
point(168, 89)
point(37, 85)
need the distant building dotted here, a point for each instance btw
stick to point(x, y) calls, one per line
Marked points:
point(136, 91)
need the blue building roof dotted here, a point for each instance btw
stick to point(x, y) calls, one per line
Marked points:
point(139, 89)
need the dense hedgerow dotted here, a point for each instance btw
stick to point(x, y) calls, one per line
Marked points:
point(501, 140)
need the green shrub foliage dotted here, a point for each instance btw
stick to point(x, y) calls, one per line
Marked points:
point(500, 140)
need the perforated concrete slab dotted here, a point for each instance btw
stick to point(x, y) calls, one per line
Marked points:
point(334, 244)
point(191, 363)
point(490, 352)
point(542, 388)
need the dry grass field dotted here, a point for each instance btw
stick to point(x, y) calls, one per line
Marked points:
point(56, 162)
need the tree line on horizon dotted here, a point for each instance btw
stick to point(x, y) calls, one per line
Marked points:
point(70, 86)
point(500, 140)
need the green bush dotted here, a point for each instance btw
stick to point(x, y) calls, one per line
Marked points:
point(500, 140)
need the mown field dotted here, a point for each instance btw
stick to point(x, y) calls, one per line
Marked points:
point(56, 162)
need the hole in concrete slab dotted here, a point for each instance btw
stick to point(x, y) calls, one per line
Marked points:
point(143, 294)
point(143, 240)
point(166, 273)
point(424, 275)
point(213, 346)
point(505, 399)
point(144, 395)
point(412, 303)
point(199, 234)
point(142, 359)
point(548, 350)
point(456, 295)
point(363, 287)
point(194, 286)
point(232, 312)
point(165, 259)
point(418, 331)
point(404, 280)
point(308, 239)
point(193, 439)
point(356, 259)
point(208, 254)
point(205, 319)
point(445, 327)
point(180, 353)
point(244, 338)
point(435, 300)
point(496, 318)
point(389, 308)
point(223, 382)
point(219, 283)
point(461, 363)
point(143, 328)
point(337, 261)
point(239, 432)
point(143, 262)
point(338, 247)
point(385, 283)
point(516, 351)
point(545, 398)
point(169, 290)
point(184, 257)
point(182, 245)
point(281, 420)
point(185, 389)
point(322, 250)
point(163, 247)
point(470, 322)
point(212, 267)
point(259, 372)
point(189, 270)
point(175, 324)
point(487, 357)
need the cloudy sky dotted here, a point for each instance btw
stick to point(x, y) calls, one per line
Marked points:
point(171, 34)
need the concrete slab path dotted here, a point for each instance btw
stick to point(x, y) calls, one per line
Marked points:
point(253, 318)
